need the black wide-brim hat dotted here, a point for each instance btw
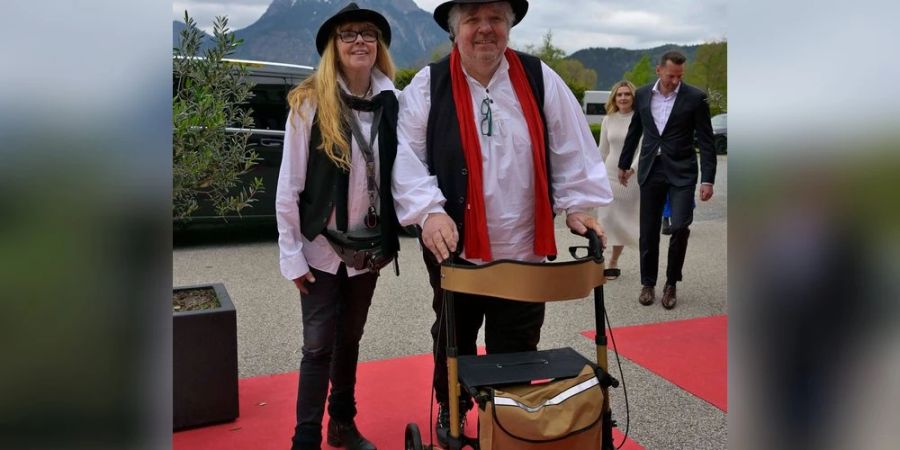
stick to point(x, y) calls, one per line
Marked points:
point(442, 12)
point(352, 13)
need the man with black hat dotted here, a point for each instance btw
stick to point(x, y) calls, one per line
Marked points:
point(492, 144)
point(339, 145)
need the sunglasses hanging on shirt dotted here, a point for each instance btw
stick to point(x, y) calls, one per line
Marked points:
point(487, 117)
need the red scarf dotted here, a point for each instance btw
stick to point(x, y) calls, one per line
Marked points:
point(477, 241)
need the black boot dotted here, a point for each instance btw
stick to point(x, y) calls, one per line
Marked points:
point(442, 425)
point(345, 434)
point(305, 446)
point(307, 437)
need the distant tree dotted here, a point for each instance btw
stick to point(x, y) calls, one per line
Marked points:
point(643, 72)
point(209, 95)
point(709, 71)
point(441, 51)
point(548, 53)
point(577, 77)
point(403, 77)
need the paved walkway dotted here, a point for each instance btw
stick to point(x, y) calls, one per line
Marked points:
point(663, 416)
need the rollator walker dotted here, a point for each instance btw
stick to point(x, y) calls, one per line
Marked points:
point(546, 399)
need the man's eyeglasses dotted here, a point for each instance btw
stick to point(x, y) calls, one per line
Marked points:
point(487, 118)
point(349, 36)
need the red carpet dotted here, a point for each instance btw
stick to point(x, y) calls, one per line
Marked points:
point(691, 353)
point(390, 393)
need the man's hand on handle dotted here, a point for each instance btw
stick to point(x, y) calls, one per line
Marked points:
point(579, 222)
point(439, 235)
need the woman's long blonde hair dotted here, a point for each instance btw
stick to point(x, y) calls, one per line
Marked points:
point(322, 87)
point(611, 106)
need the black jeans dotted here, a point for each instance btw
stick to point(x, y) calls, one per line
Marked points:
point(653, 199)
point(510, 326)
point(334, 315)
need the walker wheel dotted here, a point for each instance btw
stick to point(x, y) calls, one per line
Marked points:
point(413, 439)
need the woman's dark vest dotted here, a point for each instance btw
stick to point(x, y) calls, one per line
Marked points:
point(444, 148)
point(327, 185)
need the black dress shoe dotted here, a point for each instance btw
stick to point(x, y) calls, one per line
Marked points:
point(648, 295)
point(669, 299)
point(666, 226)
point(341, 434)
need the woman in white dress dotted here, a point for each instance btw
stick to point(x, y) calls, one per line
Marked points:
point(620, 219)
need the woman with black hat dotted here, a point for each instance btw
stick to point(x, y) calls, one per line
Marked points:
point(340, 143)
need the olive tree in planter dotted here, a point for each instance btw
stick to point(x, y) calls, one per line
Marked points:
point(207, 164)
point(209, 142)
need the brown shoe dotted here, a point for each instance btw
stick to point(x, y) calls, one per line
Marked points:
point(668, 299)
point(648, 295)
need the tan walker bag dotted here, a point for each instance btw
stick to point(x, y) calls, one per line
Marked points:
point(563, 414)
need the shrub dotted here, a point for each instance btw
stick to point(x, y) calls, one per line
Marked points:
point(595, 130)
point(403, 77)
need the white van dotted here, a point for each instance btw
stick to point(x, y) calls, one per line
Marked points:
point(594, 105)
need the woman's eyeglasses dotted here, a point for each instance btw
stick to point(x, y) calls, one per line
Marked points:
point(487, 117)
point(349, 36)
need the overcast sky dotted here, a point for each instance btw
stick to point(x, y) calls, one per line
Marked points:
point(576, 24)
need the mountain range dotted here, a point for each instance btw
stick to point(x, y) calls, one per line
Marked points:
point(286, 33)
point(611, 63)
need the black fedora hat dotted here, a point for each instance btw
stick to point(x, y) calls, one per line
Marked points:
point(352, 13)
point(442, 12)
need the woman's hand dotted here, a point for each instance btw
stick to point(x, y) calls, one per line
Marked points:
point(624, 175)
point(299, 282)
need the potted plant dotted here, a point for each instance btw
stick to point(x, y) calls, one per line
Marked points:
point(208, 160)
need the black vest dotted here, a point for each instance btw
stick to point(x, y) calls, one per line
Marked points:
point(327, 185)
point(444, 146)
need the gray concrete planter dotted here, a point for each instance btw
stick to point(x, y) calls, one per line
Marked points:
point(204, 363)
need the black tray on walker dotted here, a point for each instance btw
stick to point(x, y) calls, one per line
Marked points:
point(521, 367)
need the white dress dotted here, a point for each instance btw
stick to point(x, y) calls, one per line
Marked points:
point(620, 219)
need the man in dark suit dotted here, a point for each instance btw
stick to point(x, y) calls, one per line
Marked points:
point(668, 113)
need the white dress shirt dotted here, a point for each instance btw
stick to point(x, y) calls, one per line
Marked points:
point(578, 176)
point(297, 254)
point(661, 105)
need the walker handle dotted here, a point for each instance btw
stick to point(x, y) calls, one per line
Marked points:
point(595, 245)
